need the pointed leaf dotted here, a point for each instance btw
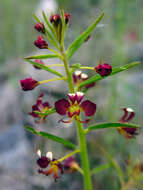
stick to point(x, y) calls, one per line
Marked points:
point(100, 168)
point(44, 68)
point(112, 162)
point(52, 137)
point(47, 56)
point(48, 112)
point(114, 71)
point(80, 40)
point(51, 39)
point(48, 23)
point(36, 18)
point(110, 125)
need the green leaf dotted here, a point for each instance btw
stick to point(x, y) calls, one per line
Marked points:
point(44, 68)
point(48, 112)
point(51, 39)
point(36, 18)
point(52, 137)
point(48, 24)
point(63, 27)
point(109, 125)
point(114, 71)
point(100, 168)
point(47, 56)
point(82, 37)
point(112, 162)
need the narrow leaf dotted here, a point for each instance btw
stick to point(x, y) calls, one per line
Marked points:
point(100, 168)
point(36, 18)
point(110, 125)
point(52, 137)
point(63, 26)
point(112, 162)
point(114, 71)
point(51, 39)
point(48, 112)
point(48, 23)
point(44, 68)
point(82, 37)
point(47, 56)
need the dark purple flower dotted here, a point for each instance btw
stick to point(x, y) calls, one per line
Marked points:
point(103, 69)
point(28, 84)
point(70, 165)
point(74, 106)
point(55, 165)
point(79, 77)
point(41, 107)
point(41, 43)
point(40, 27)
point(126, 131)
point(67, 18)
point(38, 61)
point(55, 19)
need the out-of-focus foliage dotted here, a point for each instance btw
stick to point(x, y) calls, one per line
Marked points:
point(16, 28)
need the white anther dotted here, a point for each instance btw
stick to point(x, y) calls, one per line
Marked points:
point(77, 73)
point(130, 110)
point(49, 155)
point(80, 94)
point(84, 76)
point(39, 153)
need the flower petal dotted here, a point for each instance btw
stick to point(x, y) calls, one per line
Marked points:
point(88, 107)
point(62, 106)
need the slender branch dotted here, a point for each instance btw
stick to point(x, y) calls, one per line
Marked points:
point(51, 80)
point(90, 68)
point(68, 155)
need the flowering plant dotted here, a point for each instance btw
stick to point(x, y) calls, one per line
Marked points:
point(53, 30)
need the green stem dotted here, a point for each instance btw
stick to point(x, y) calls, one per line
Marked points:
point(84, 156)
point(68, 155)
point(51, 80)
point(68, 72)
point(80, 130)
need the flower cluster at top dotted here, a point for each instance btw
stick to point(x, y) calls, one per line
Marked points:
point(56, 168)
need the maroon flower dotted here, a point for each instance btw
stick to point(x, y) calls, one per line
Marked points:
point(28, 84)
point(40, 27)
point(43, 161)
point(41, 107)
point(67, 18)
point(126, 131)
point(55, 165)
point(79, 77)
point(74, 106)
point(55, 19)
point(103, 69)
point(38, 61)
point(41, 43)
point(70, 165)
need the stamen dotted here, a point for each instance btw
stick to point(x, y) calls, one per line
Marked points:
point(49, 155)
point(39, 153)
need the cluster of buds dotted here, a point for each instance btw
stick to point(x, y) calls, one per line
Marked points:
point(56, 167)
point(41, 43)
point(74, 106)
point(56, 19)
point(126, 131)
point(79, 77)
point(41, 107)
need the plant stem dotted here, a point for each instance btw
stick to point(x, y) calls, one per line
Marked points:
point(51, 80)
point(68, 155)
point(80, 130)
point(84, 156)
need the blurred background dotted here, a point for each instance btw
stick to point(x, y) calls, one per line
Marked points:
point(118, 40)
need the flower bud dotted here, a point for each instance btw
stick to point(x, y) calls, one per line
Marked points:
point(40, 27)
point(28, 84)
point(41, 43)
point(103, 69)
point(67, 18)
point(38, 61)
point(55, 19)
